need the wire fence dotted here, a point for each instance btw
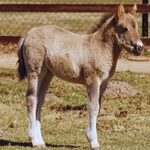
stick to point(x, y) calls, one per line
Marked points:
point(17, 24)
point(69, 1)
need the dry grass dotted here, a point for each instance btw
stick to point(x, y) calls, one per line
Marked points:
point(124, 124)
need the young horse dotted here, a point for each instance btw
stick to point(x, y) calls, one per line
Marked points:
point(87, 59)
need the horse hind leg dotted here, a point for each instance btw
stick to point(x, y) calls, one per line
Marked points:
point(36, 90)
point(32, 100)
point(41, 97)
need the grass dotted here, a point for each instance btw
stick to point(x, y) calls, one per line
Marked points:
point(147, 53)
point(65, 130)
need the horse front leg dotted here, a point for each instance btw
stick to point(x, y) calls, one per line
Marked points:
point(103, 87)
point(34, 125)
point(93, 110)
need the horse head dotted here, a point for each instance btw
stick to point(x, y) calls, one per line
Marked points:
point(126, 30)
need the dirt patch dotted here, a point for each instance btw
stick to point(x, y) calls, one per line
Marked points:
point(116, 89)
point(133, 66)
point(7, 75)
point(139, 58)
point(8, 60)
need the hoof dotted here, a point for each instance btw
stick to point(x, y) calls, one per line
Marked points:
point(96, 148)
point(38, 143)
point(40, 146)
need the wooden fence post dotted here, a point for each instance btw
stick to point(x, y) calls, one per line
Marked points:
point(145, 21)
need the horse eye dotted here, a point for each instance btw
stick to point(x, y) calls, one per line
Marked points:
point(124, 29)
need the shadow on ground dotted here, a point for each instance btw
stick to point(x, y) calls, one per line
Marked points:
point(63, 108)
point(28, 144)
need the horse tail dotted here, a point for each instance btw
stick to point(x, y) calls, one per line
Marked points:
point(21, 70)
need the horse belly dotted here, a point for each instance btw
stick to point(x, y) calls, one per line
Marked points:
point(65, 68)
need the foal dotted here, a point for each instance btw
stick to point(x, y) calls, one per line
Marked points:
point(87, 59)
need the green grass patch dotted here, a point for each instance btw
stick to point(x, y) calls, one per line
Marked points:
point(147, 53)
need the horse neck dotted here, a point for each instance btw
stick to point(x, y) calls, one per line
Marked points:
point(106, 40)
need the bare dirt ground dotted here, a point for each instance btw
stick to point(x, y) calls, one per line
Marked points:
point(8, 60)
point(140, 65)
point(119, 89)
point(134, 66)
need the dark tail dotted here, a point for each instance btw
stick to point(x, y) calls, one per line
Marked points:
point(22, 73)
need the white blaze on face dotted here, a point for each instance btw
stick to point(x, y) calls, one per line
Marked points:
point(140, 43)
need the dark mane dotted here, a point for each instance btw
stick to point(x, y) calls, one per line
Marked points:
point(102, 21)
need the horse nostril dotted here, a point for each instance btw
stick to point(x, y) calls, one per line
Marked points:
point(139, 47)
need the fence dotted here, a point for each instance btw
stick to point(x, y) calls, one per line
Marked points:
point(75, 17)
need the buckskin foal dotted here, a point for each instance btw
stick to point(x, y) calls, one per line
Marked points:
point(89, 59)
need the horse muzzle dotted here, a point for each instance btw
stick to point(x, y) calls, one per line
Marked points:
point(136, 49)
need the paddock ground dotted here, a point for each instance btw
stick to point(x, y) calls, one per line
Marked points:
point(123, 124)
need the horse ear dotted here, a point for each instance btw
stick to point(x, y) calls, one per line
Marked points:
point(134, 9)
point(121, 11)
